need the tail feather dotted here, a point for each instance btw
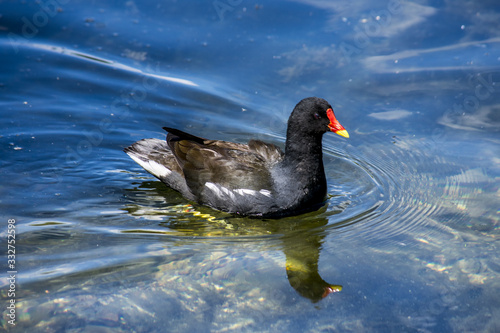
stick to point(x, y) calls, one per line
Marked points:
point(155, 157)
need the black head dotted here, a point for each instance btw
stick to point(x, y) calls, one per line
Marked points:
point(314, 116)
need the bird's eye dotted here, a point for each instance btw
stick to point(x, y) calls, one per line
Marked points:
point(316, 116)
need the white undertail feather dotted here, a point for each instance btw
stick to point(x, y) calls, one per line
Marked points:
point(152, 167)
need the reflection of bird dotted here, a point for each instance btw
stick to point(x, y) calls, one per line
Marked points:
point(309, 284)
point(257, 179)
point(300, 239)
point(304, 277)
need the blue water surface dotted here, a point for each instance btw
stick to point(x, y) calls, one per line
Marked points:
point(409, 233)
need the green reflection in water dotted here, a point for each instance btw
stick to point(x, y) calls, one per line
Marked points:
point(300, 238)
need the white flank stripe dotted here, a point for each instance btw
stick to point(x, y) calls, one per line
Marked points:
point(267, 193)
point(220, 191)
point(244, 191)
point(214, 188)
point(223, 192)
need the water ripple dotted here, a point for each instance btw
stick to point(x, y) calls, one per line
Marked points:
point(389, 190)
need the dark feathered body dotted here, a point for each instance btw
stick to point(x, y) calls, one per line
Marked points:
point(255, 179)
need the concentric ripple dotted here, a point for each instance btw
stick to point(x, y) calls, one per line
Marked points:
point(388, 189)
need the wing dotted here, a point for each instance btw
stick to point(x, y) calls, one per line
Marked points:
point(232, 166)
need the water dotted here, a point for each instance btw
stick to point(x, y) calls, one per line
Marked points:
point(411, 227)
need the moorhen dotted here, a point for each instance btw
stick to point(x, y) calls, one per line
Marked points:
point(255, 179)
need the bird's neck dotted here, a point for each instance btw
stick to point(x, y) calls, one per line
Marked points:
point(303, 172)
point(303, 163)
point(304, 150)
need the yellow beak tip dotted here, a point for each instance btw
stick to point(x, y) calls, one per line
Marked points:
point(343, 133)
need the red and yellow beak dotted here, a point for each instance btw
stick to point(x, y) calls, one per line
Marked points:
point(331, 289)
point(335, 126)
